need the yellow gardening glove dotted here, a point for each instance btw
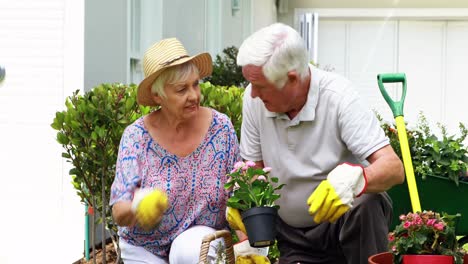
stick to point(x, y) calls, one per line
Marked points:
point(245, 254)
point(252, 259)
point(149, 207)
point(335, 195)
point(234, 219)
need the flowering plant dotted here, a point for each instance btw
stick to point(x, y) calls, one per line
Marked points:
point(425, 233)
point(253, 187)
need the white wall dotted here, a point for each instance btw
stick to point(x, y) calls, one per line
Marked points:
point(429, 45)
point(288, 17)
point(41, 47)
point(106, 42)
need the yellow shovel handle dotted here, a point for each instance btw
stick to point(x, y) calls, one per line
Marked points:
point(413, 190)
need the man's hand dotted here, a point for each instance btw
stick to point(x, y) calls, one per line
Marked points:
point(149, 207)
point(335, 195)
point(234, 219)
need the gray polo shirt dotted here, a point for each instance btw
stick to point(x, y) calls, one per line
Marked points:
point(333, 127)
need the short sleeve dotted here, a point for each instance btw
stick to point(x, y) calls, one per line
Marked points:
point(360, 128)
point(250, 147)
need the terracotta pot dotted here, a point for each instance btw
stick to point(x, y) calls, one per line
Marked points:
point(427, 259)
point(381, 258)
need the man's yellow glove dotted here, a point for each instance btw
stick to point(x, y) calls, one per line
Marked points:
point(149, 207)
point(335, 195)
point(234, 219)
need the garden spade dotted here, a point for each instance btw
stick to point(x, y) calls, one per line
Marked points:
point(397, 110)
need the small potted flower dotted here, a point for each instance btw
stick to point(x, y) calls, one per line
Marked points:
point(254, 195)
point(425, 237)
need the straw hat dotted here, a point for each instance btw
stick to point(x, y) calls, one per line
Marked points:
point(162, 55)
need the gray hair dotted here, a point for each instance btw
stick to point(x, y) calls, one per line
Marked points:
point(172, 75)
point(278, 48)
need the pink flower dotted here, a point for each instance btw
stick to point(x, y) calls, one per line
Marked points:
point(261, 178)
point(407, 224)
point(394, 248)
point(439, 226)
point(238, 165)
point(250, 163)
point(402, 217)
point(430, 222)
point(391, 237)
point(267, 169)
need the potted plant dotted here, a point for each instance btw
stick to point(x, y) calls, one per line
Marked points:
point(425, 237)
point(440, 166)
point(254, 195)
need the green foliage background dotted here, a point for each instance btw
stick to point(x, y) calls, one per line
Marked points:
point(225, 69)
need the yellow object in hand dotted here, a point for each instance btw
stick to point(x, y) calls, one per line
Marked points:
point(234, 219)
point(151, 208)
point(326, 204)
point(252, 259)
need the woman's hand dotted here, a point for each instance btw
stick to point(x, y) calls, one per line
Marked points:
point(149, 207)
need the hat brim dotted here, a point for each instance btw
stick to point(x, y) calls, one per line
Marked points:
point(202, 61)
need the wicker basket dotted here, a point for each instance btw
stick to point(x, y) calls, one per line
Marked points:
point(205, 246)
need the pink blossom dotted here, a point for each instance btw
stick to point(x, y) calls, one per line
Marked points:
point(261, 178)
point(439, 226)
point(239, 165)
point(394, 248)
point(402, 217)
point(250, 163)
point(430, 222)
point(267, 169)
point(391, 237)
point(407, 224)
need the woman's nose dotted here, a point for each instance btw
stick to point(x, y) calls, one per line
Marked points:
point(193, 93)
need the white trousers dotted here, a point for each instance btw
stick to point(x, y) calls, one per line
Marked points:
point(185, 249)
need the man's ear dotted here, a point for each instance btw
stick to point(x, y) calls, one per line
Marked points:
point(292, 76)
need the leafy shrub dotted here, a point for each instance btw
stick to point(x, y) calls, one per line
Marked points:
point(89, 129)
point(225, 69)
point(226, 100)
point(446, 156)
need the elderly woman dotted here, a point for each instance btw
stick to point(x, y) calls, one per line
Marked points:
point(172, 164)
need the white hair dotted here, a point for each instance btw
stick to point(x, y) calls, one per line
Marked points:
point(171, 75)
point(278, 48)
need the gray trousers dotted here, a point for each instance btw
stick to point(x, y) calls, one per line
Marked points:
point(359, 233)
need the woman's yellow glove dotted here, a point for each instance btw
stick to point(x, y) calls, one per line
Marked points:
point(149, 207)
point(234, 219)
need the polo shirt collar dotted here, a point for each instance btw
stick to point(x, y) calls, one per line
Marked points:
point(307, 112)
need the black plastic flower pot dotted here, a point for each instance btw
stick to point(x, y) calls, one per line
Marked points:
point(260, 224)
